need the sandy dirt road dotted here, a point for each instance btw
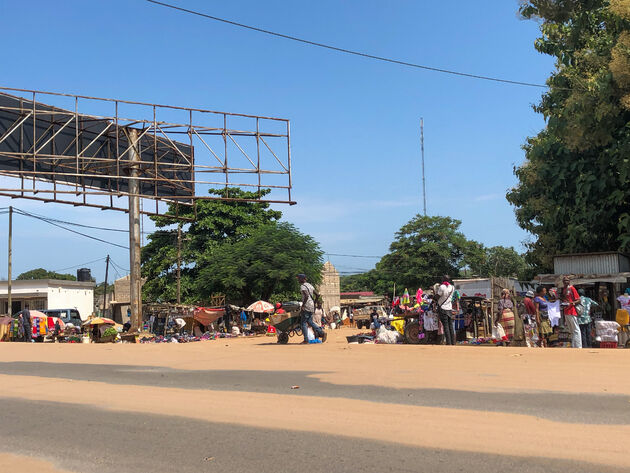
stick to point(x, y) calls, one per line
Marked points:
point(227, 405)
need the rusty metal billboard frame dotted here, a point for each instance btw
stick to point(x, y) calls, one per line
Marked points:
point(85, 159)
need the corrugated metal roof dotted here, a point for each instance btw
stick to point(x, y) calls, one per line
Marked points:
point(591, 263)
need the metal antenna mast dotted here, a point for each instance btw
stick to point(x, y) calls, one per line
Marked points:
point(424, 192)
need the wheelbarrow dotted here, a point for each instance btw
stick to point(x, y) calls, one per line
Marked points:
point(287, 326)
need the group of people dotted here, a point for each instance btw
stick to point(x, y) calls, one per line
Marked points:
point(543, 310)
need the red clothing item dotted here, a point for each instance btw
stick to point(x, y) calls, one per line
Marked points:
point(569, 294)
point(529, 306)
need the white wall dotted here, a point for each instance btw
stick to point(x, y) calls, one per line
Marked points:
point(79, 298)
point(25, 287)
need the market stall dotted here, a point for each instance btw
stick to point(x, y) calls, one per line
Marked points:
point(101, 329)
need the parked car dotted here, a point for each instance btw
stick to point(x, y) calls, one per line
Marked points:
point(68, 316)
point(363, 316)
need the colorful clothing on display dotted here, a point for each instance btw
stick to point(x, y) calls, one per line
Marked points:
point(430, 321)
point(624, 300)
point(405, 298)
point(553, 312)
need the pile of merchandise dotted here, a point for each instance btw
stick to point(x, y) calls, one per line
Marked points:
point(184, 338)
point(606, 332)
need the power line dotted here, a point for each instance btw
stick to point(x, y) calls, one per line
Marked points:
point(353, 256)
point(78, 265)
point(92, 227)
point(348, 51)
point(115, 265)
point(63, 222)
point(19, 212)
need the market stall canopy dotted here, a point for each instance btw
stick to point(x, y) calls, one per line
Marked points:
point(206, 316)
point(260, 306)
point(37, 313)
point(99, 321)
point(579, 279)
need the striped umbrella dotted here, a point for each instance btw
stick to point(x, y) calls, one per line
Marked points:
point(260, 306)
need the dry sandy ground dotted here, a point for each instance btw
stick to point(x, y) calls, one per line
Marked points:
point(26, 464)
point(590, 379)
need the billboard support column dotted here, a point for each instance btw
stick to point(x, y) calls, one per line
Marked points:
point(10, 263)
point(135, 292)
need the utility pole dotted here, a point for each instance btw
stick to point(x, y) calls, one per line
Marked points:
point(179, 262)
point(105, 293)
point(135, 292)
point(9, 298)
point(424, 192)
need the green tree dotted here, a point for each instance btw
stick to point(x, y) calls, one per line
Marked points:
point(41, 273)
point(215, 223)
point(262, 265)
point(373, 280)
point(423, 250)
point(503, 262)
point(573, 192)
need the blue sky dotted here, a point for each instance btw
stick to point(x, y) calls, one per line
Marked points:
point(354, 122)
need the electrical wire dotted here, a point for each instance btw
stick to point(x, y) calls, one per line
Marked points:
point(63, 222)
point(78, 265)
point(70, 230)
point(349, 51)
point(354, 256)
point(116, 265)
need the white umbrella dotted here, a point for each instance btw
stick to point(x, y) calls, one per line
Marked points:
point(260, 306)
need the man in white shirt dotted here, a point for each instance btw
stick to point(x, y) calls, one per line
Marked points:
point(445, 309)
point(308, 308)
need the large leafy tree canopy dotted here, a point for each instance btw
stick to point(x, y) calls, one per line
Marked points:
point(425, 249)
point(573, 192)
point(236, 248)
point(216, 222)
point(262, 266)
point(41, 273)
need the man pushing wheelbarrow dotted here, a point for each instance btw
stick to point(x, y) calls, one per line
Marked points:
point(308, 308)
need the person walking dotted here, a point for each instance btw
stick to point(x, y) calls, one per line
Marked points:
point(570, 298)
point(584, 318)
point(445, 309)
point(308, 309)
point(505, 314)
point(319, 316)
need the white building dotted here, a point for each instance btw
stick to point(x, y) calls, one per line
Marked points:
point(48, 294)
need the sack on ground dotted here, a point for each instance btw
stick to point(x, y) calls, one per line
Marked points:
point(310, 334)
point(384, 335)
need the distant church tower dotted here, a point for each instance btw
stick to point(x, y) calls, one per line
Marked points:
point(329, 288)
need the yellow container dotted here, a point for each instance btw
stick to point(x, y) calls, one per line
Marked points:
point(623, 318)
